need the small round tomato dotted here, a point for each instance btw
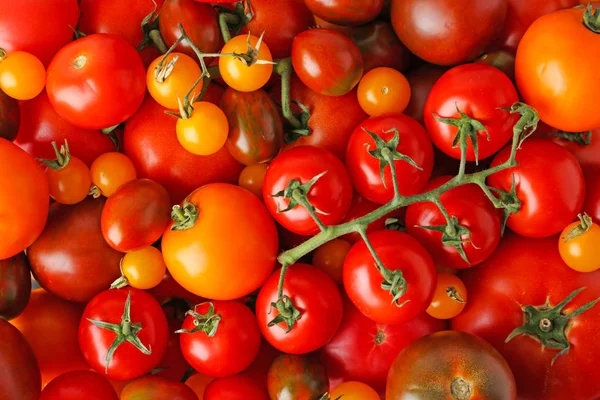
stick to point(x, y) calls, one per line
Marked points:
point(236, 387)
point(152, 387)
point(22, 75)
point(449, 298)
point(297, 169)
point(240, 73)
point(304, 376)
point(578, 245)
point(142, 269)
point(330, 258)
point(123, 333)
point(205, 131)
point(327, 61)
point(402, 256)
point(15, 286)
point(76, 385)
point(353, 390)
point(173, 79)
point(110, 171)
point(383, 91)
point(252, 178)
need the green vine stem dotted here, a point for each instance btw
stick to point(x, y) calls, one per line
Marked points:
point(284, 69)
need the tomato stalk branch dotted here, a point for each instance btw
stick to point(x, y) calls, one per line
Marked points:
point(284, 69)
point(226, 19)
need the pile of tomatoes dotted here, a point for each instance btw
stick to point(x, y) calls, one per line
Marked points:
point(299, 200)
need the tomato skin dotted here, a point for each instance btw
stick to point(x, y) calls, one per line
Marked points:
point(442, 32)
point(25, 188)
point(488, 89)
point(236, 387)
point(330, 258)
point(144, 268)
point(255, 126)
point(71, 184)
point(331, 194)
point(197, 257)
point(580, 253)
point(327, 61)
point(97, 81)
point(10, 117)
point(523, 272)
point(205, 132)
point(174, 364)
point(362, 280)
point(111, 170)
point(344, 12)
point(421, 82)
point(252, 178)
point(19, 371)
point(355, 391)
point(152, 387)
point(383, 91)
point(364, 350)
point(591, 205)
point(450, 355)
point(302, 377)
point(198, 383)
point(15, 286)
point(75, 385)
point(364, 169)
point(127, 361)
point(380, 46)
point(22, 75)
point(315, 295)
point(151, 144)
point(551, 194)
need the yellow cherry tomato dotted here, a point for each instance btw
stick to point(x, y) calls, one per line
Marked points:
point(205, 132)
point(383, 91)
point(22, 75)
point(450, 297)
point(142, 269)
point(111, 170)
point(579, 245)
point(178, 74)
point(354, 391)
point(239, 73)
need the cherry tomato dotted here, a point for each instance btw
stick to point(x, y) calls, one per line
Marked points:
point(383, 91)
point(205, 131)
point(15, 286)
point(330, 258)
point(22, 75)
point(142, 269)
point(578, 245)
point(68, 177)
point(304, 376)
point(236, 387)
point(344, 12)
point(10, 117)
point(76, 385)
point(252, 178)
point(239, 73)
point(354, 391)
point(173, 80)
point(152, 387)
point(450, 297)
point(110, 171)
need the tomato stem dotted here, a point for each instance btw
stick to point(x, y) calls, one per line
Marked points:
point(284, 69)
point(226, 19)
point(580, 229)
point(63, 157)
point(207, 323)
point(591, 19)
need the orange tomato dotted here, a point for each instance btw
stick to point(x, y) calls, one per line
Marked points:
point(142, 269)
point(110, 171)
point(581, 252)
point(237, 73)
point(383, 91)
point(68, 177)
point(205, 131)
point(330, 258)
point(354, 391)
point(449, 298)
point(22, 75)
point(252, 178)
point(184, 72)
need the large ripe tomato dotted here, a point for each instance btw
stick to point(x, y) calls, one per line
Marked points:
point(421, 82)
point(50, 326)
point(315, 295)
point(151, 143)
point(450, 365)
point(479, 91)
point(549, 183)
point(524, 281)
point(147, 323)
point(363, 350)
point(21, 22)
point(398, 252)
point(380, 46)
point(345, 12)
point(10, 117)
point(23, 187)
point(96, 82)
point(327, 61)
point(303, 377)
point(77, 385)
point(554, 72)
point(15, 286)
point(443, 32)
point(152, 387)
point(365, 169)
point(70, 259)
point(228, 248)
point(19, 371)
point(331, 194)
point(236, 387)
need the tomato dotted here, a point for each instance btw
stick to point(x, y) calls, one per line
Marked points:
point(205, 131)
point(111, 170)
point(560, 93)
point(19, 371)
point(525, 280)
point(364, 350)
point(22, 75)
point(23, 187)
point(354, 391)
point(96, 82)
point(380, 46)
point(578, 245)
point(302, 377)
point(502, 60)
point(21, 22)
point(488, 90)
point(364, 282)
point(236, 387)
point(279, 32)
point(10, 117)
point(15, 286)
point(173, 365)
point(198, 383)
point(383, 91)
point(140, 340)
point(345, 12)
point(151, 144)
point(330, 258)
point(77, 385)
point(241, 74)
point(259, 369)
point(591, 205)
point(586, 154)
point(255, 126)
point(173, 79)
point(151, 387)
point(50, 326)
point(327, 61)
point(450, 297)
point(549, 184)
point(70, 259)
point(199, 22)
point(136, 215)
point(142, 269)
point(442, 32)
point(228, 248)
point(330, 195)
point(366, 171)
point(252, 178)
point(168, 289)
point(421, 81)
point(464, 366)
point(220, 338)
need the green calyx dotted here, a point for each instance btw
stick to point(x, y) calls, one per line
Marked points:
point(454, 294)
point(297, 194)
point(468, 128)
point(293, 134)
point(394, 283)
point(207, 323)
point(185, 217)
point(327, 396)
point(63, 157)
point(527, 124)
point(549, 324)
point(126, 332)
point(591, 19)
point(579, 230)
point(288, 313)
point(509, 202)
point(583, 138)
point(452, 235)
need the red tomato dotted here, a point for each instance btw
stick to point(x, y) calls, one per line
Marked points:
point(168, 289)
point(364, 350)
point(380, 46)
point(304, 376)
point(345, 12)
point(549, 184)
point(398, 252)
point(236, 387)
point(591, 206)
point(331, 194)
point(96, 82)
point(151, 143)
point(152, 387)
point(77, 385)
point(421, 82)
point(479, 91)
point(259, 369)
point(147, 323)
point(21, 22)
point(365, 169)
point(315, 295)
point(525, 280)
point(587, 155)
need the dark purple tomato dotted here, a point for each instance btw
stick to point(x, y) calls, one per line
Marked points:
point(15, 286)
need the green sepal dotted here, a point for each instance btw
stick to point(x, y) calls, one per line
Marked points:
point(63, 157)
point(185, 217)
point(509, 201)
point(288, 313)
point(297, 194)
point(452, 234)
point(468, 128)
point(579, 230)
point(591, 18)
point(207, 323)
point(527, 124)
point(294, 134)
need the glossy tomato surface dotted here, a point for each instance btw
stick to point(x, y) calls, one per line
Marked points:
point(346, 12)
point(151, 387)
point(77, 385)
point(15, 285)
point(10, 117)
point(303, 377)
